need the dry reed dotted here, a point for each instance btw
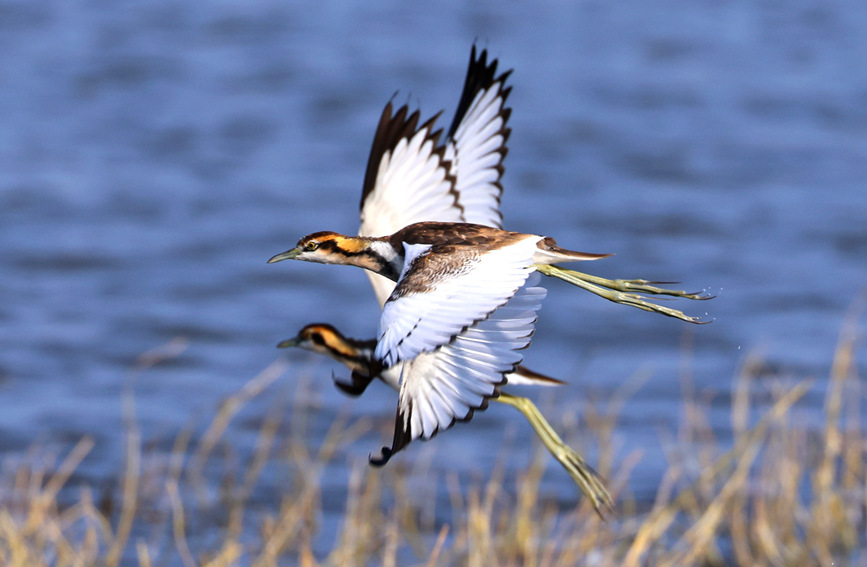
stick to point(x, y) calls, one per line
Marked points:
point(783, 494)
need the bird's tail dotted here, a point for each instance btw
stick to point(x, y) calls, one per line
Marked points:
point(523, 376)
point(548, 252)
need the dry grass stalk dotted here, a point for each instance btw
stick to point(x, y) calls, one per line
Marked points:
point(782, 495)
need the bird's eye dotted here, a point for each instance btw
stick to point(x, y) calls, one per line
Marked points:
point(311, 246)
point(318, 339)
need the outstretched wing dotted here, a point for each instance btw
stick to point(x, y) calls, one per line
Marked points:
point(403, 183)
point(446, 289)
point(476, 142)
point(447, 385)
point(407, 180)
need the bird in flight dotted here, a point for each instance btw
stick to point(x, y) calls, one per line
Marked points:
point(357, 355)
point(460, 294)
point(475, 147)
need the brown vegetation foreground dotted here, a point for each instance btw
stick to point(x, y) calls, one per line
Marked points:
point(784, 494)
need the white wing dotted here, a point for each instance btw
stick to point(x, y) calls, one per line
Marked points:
point(439, 295)
point(449, 384)
point(406, 181)
point(397, 192)
point(477, 142)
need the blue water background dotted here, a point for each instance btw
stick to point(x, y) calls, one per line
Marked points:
point(153, 155)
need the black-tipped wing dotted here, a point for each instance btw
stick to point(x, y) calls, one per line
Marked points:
point(476, 144)
point(447, 385)
point(444, 290)
point(407, 180)
point(397, 192)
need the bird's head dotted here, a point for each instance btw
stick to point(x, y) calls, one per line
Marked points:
point(321, 338)
point(324, 339)
point(374, 254)
point(324, 248)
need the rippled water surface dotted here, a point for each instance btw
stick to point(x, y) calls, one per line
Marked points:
point(153, 155)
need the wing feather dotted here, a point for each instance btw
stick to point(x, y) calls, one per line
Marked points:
point(411, 177)
point(407, 180)
point(442, 293)
point(449, 384)
point(477, 139)
point(401, 183)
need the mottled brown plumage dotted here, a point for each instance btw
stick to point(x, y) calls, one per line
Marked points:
point(443, 233)
point(482, 238)
point(442, 262)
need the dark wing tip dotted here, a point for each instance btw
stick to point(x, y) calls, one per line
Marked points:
point(481, 75)
point(401, 439)
point(392, 128)
point(383, 457)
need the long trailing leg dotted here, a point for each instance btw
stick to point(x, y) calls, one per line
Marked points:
point(625, 291)
point(583, 474)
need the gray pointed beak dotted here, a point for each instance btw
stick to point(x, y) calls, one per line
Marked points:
point(288, 255)
point(288, 343)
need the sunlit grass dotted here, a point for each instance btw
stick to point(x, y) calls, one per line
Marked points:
point(783, 494)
